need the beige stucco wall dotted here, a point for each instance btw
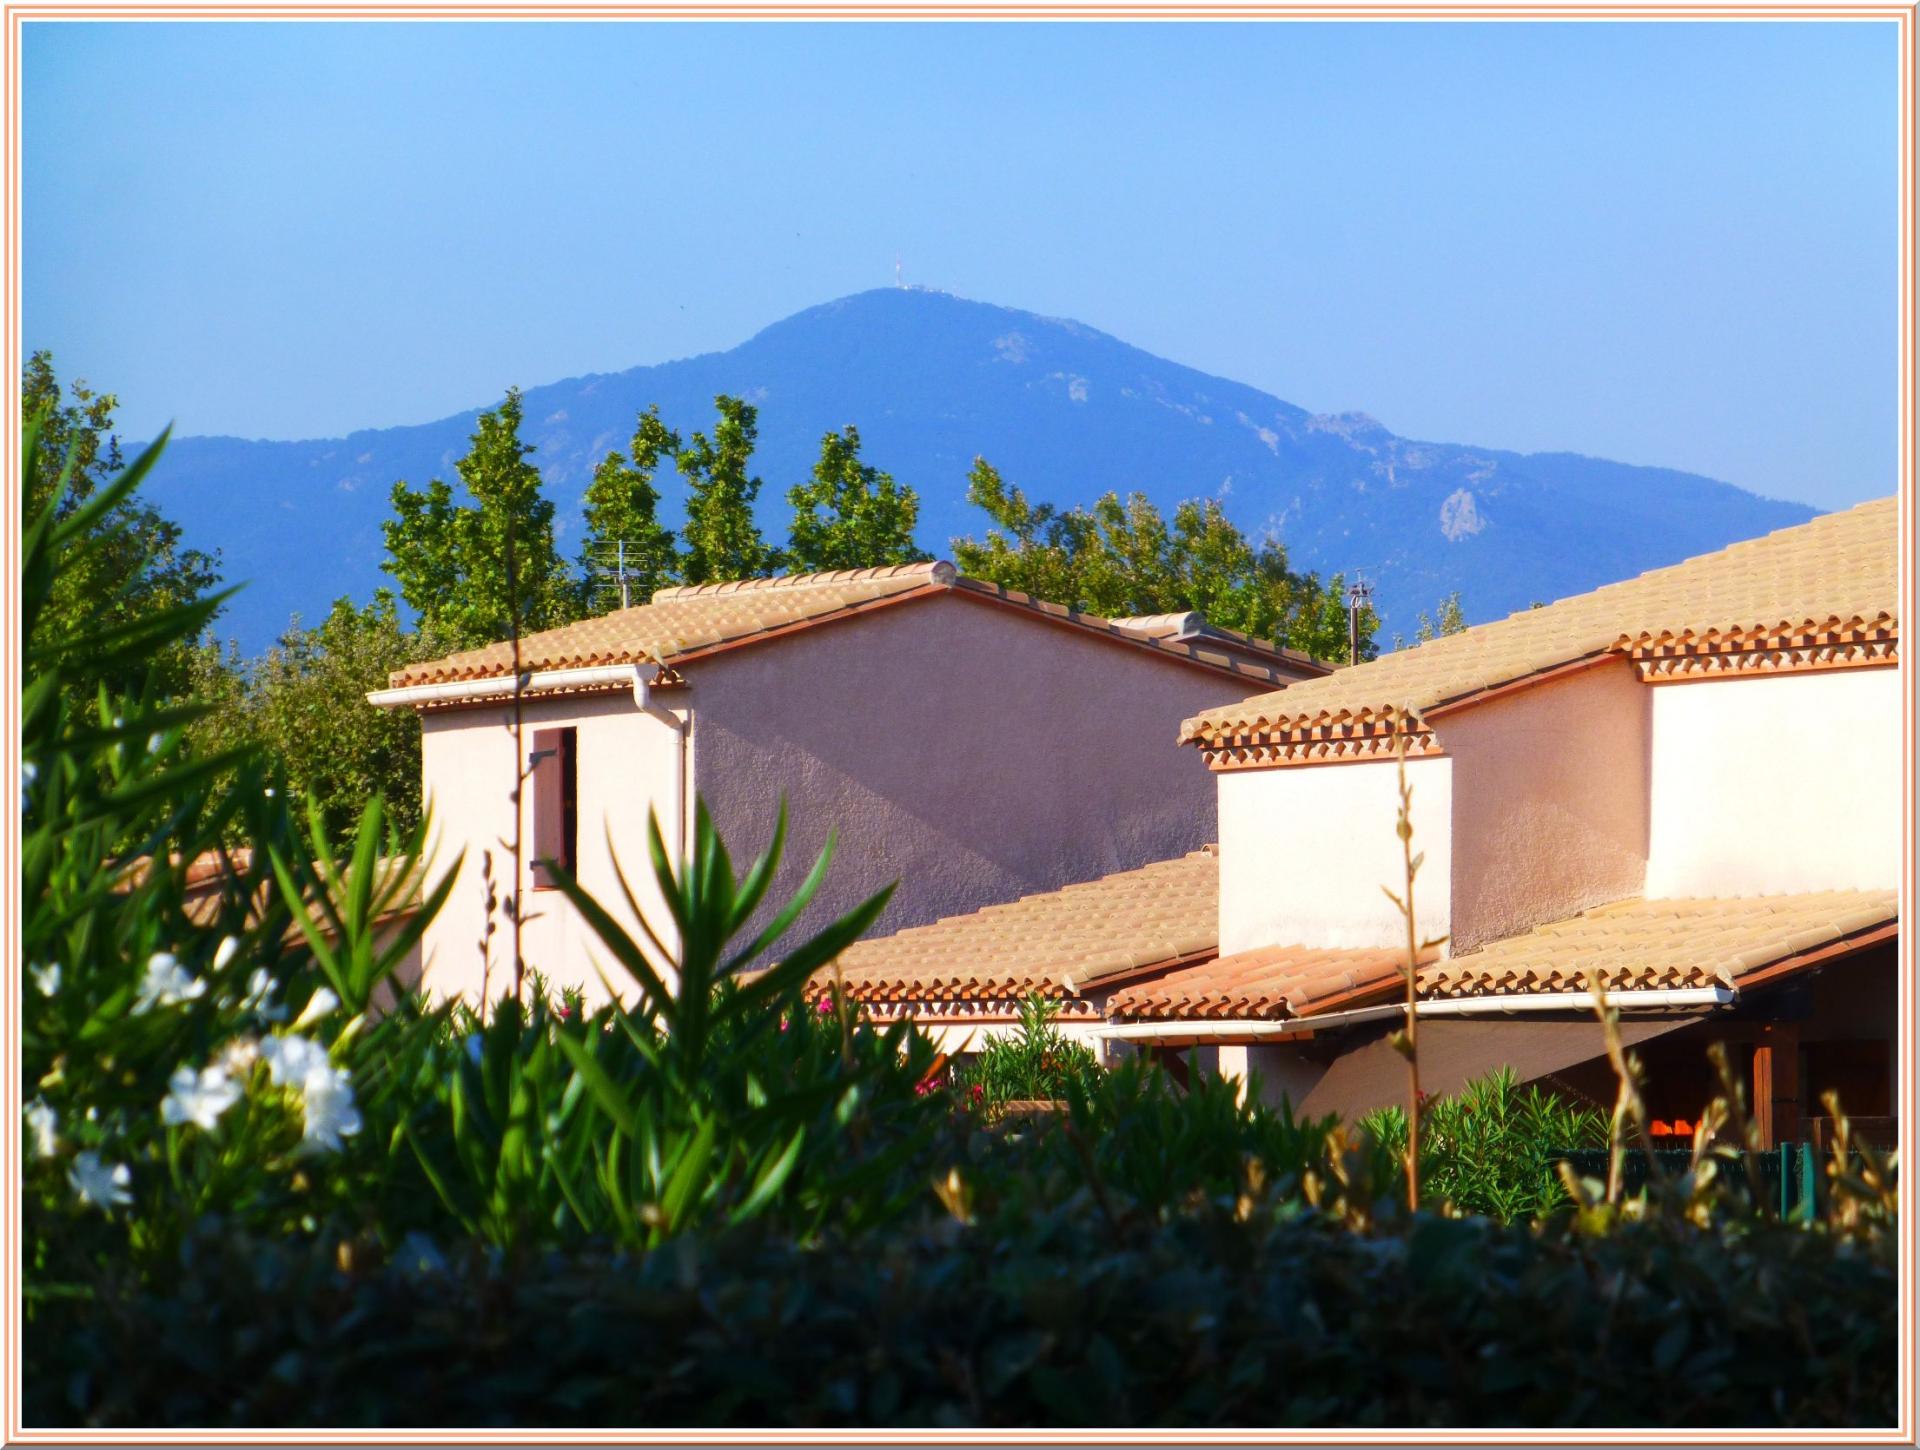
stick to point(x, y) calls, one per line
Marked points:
point(1286, 1074)
point(627, 762)
point(1549, 801)
point(1305, 849)
point(1782, 783)
point(969, 751)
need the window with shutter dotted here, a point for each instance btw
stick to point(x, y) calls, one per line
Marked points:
point(555, 781)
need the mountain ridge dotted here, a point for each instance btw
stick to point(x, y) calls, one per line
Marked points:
point(1064, 410)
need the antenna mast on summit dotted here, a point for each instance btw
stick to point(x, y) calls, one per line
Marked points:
point(898, 281)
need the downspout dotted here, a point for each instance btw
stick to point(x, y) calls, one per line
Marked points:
point(683, 729)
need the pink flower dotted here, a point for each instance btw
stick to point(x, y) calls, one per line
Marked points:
point(923, 1087)
point(826, 1006)
point(783, 1023)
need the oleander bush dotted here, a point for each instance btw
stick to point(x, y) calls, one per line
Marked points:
point(1034, 1063)
point(268, 1185)
point(1491, 1147)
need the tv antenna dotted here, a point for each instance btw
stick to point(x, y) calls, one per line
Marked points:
point(1359, 596)
point(610, 557)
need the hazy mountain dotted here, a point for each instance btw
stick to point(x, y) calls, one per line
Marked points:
point(1064, 411)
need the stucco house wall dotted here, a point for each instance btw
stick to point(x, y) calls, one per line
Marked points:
point(628, 761)
point(1776, 783)
point(1305, 849)
point(972, 752)
point(1549, 801)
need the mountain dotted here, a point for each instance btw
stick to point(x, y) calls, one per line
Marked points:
point(1062, 410)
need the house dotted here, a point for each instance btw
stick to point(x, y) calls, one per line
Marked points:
point(966, 740)
point(1689, 783)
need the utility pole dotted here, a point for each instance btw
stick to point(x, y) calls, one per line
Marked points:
point(1359, 595)
point(626, 600)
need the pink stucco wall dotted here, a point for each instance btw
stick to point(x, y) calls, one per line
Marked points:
point(970, 751)
point(628, 763)
point(967, 750)
point(1549, 801)
point(1536, 810)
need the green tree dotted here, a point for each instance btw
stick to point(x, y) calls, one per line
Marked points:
point(134, 565)
point(1035, 548)
point(722, 540)
point(451, 559)
point(304, 702)
point(850, 515)
point(623, 529)
point(1448, 619)
point(1121, 558)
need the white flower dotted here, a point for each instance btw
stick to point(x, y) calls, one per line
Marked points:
point(239, 1056)
point(318, 1005)
point(225, 952)
point(44, 1123)
point(199, 1098)
point(100, 1185)
point(269, 792)
point(46, 978)
point(328, 1101)
point(290, 1059)
point(259, 998)
point(166, 983)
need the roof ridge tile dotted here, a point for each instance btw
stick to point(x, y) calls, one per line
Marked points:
point(938, 571)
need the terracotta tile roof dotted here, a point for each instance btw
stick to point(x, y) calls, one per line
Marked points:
point(1042, 943)
point(680, 621)
point(1639, 945)
point(683, 622)
point(1281, 981)
point(1835, 574)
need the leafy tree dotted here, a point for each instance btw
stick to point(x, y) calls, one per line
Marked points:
point(1122, 558)
point(451, 559)
point(304, 702)
point(133, 566)
point(722, 540)
point(622, 522)
point(1035, 548)
point(850, 515)
point(1448, 619)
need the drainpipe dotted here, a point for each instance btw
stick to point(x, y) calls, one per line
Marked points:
point(683, 730)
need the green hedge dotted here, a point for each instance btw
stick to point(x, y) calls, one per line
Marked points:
point(1058, 1318)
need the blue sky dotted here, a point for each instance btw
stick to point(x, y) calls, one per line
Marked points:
point(1671, 244)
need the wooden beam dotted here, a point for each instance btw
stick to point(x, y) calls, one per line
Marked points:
point(1777, 1109)
point(1762, 1107)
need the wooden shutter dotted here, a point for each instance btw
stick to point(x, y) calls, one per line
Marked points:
point(547, 782)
